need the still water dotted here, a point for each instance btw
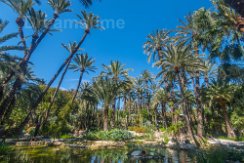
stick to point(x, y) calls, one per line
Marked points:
point(117, 155)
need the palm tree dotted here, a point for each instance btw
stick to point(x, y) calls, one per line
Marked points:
point(118, 74)
point(229, 18)
point(90, 22)
point(210, 72)
point(160, 99)
point(105, 90)
point(22, 7)
point(179, 60)
point(147, 79)
point(192, 33)
point(222, 94)
point(40, 26)
point(156, 44)
point(83, 64)
point(8, 62)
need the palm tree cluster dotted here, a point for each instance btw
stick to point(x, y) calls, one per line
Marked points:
point(197, 90)
point(16, 73)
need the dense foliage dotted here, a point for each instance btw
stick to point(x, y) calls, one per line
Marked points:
point(198, 90)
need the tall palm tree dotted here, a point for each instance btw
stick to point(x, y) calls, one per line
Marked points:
point(179, 60)
point(89, 21)
point(222, 94)
point(41, 27)
point(117, 73)
point(83, 64)
point(105, 90)
point(22, 7)
point(156, 43)
point(192, 33)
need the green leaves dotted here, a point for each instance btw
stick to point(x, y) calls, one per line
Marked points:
point(3, 24)
point(8, 37)
point(156, 43)
point(83, 63)
point(89, 21)
point(37, 20)
point(86, 3)
point(60, 6)
point(20, 6)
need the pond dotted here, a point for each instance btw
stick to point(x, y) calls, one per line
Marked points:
point(117, 155)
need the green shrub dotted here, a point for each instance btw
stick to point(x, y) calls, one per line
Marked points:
point(166, 139)
point(173, 129)
point(116, 134)
point(66, 136)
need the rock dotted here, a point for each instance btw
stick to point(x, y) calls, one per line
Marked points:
point(57, 143)
point(138, 153)
point(172, 144)
point(185, 145)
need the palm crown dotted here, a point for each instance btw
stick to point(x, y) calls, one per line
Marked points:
point(83, 63)
point(155, 44)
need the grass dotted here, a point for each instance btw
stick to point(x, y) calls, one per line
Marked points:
point(66, 136)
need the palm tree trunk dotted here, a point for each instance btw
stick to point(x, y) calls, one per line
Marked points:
point(163, 109)
point(229, 129)
point(53, 99)
point(114, 113)
point(200, 131)
point(60, 70)
point(206, 80)
point(125, 103)
point(38, 126)
point(59, 85)
point(78, 86)
point(105, 117)
point(185, 109)
point(199, 106)
point(156, 118)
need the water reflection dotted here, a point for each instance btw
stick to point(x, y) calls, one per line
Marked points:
point(122, 155)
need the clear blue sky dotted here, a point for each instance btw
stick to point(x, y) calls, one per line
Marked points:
point(141, 17)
